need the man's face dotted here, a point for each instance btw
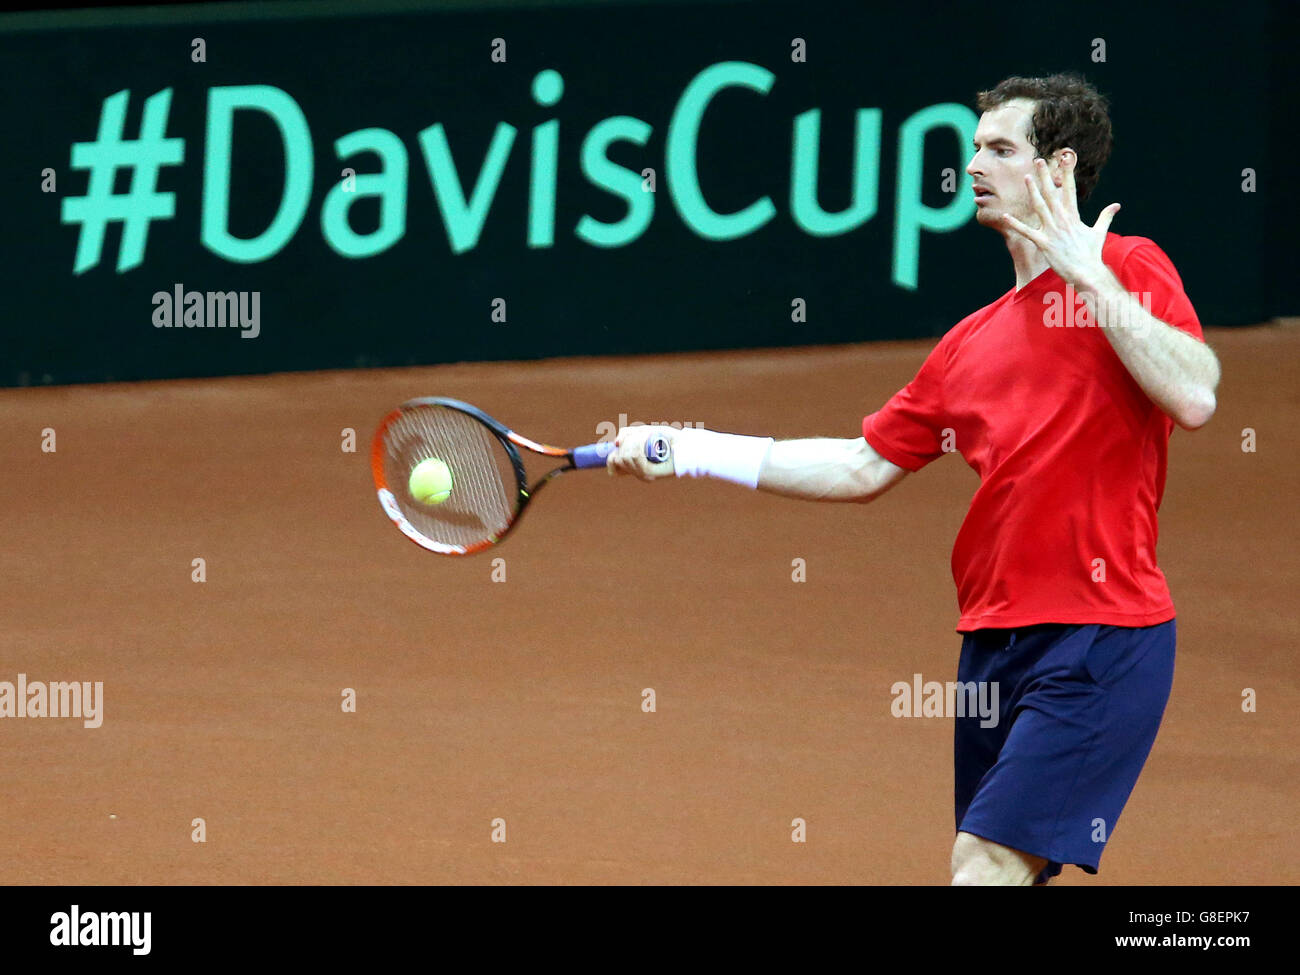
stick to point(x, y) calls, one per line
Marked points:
point(1003, 157)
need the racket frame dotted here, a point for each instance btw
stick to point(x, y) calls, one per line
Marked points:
point(510, 441)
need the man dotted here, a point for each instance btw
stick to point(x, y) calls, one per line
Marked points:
point(1061, 395)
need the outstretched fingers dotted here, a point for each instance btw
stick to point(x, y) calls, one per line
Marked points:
point(1104, 218)
point(1071, 192)
point(1029, 233)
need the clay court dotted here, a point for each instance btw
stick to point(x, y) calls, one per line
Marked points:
point(522, 699)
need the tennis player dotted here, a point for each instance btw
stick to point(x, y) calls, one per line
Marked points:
point(1062, 395)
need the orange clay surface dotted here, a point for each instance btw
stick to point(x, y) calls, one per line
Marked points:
point(522, 699)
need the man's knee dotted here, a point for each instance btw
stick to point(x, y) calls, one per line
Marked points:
point(977, 862)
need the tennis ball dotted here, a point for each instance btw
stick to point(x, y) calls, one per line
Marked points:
point(430, 481)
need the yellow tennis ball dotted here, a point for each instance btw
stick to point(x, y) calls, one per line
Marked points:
point(430, 481)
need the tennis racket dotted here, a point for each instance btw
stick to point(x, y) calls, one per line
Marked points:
point(489, 491)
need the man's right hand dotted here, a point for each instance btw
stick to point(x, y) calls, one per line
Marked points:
point(628, 455)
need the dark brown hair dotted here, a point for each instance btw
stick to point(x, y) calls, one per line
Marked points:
point(1068, 113)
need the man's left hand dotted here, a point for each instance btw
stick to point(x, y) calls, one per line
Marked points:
point(1070, 246)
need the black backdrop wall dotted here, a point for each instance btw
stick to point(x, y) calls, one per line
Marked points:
point(407, 185)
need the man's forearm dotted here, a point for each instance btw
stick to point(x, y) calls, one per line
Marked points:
point(817, 469)
point(826, 470)
point(1176, 371)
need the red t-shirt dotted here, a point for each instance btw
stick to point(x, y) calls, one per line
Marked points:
point(1070, 451)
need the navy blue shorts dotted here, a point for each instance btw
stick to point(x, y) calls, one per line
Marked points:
point(1078, 711)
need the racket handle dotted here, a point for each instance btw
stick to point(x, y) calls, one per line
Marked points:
point(594, 455)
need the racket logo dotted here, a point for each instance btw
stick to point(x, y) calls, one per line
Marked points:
point(415, 536)
point(389, 504)
point(390, 507)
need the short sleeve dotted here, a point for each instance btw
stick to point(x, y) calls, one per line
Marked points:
point(1148, 273)
point(907, 430)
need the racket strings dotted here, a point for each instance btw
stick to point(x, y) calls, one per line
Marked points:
point(484, 488)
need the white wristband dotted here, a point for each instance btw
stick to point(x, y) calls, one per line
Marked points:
point(725, 456)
